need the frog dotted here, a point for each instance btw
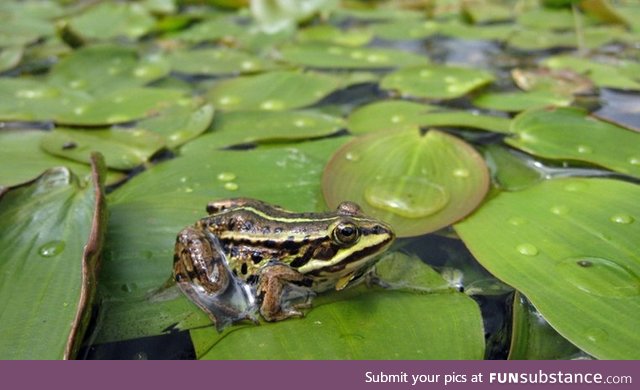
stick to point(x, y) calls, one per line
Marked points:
point(248, 256)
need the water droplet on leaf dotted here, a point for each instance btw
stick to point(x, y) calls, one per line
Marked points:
point(51, 248)
point(226, 176)
point(231, 186)
point(527, 249)
point(407, 196)
point(622, 219)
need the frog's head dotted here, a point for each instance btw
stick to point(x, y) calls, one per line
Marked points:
point(352, 242)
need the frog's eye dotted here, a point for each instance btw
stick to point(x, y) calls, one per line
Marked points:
point(346, 233)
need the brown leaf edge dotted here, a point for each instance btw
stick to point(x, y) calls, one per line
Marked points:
point(90, 259)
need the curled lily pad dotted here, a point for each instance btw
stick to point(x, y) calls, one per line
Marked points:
point(123, 148)
point(215, 62)
point(520, 100)
point(102, 69)
point(242, 127)
point(512, 171)
point(417, 182)
point(387, 114)
point(50, 239)
point(585, 280)
point(179, 123)
point(436, 81)
point(275, 91)
point(111, 20)
point(570, 133)
point(319, 55)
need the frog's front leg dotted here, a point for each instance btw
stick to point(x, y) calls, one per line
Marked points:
point(277, 287)
point(201, 271)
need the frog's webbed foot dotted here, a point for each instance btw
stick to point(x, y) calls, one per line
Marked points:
point(201, 271)
point(281, 297)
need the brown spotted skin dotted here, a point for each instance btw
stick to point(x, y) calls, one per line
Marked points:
point(277, 253)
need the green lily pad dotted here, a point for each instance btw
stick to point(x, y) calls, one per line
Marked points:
point(124, 105)
point(123, 149)
point(521, 100)
point(532, 338)
point(496, 32)
point(417, 183)
point(10, 57)
point(330, 34)
point(604, 75)
point(345, 332)
point(180, 123)
point(436, 81)
point(49, 274)
point(102, 69)
point(542, 39)
point(216, 62)
point(559, 81)
point(279, 90)
point(26, 99)
point(578, 264)
point(547, 19)
point(570, 133)
point(24, 160)
point(243, 127)
point(400, 114)
point(19, 30)
point(112, 20)
point(387, 114)
point(485, 12)
point(320, 55)
point(405, 29)
point(210, 30)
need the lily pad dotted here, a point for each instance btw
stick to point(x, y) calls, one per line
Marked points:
point(511, 171)
point(570, 133)
point(547, 19)
point(10, 57)
point(604, 75)
point(345, 332)
point(387, 114)
point(102, 69)
point(180, 123)
point(520, 100)
point(243, 127)
point(400, 114)
point(275, 16)
point(495, 32)
point(123, 149)
point(124, 105)
point(542, 39)
point(485, 12)
point(405, 29)
point(560, 81)
point(330, 34)
point(218, 28)
point(112, 20)
point(319, 55)
point(50, 240)
point(436, 81)
point(417, 183)
point(532, 338)
point(275, 91)
point(24, 160)
point(216, 62)
point(584, 281)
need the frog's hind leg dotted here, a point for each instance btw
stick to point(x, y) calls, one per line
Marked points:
point(200, 270)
